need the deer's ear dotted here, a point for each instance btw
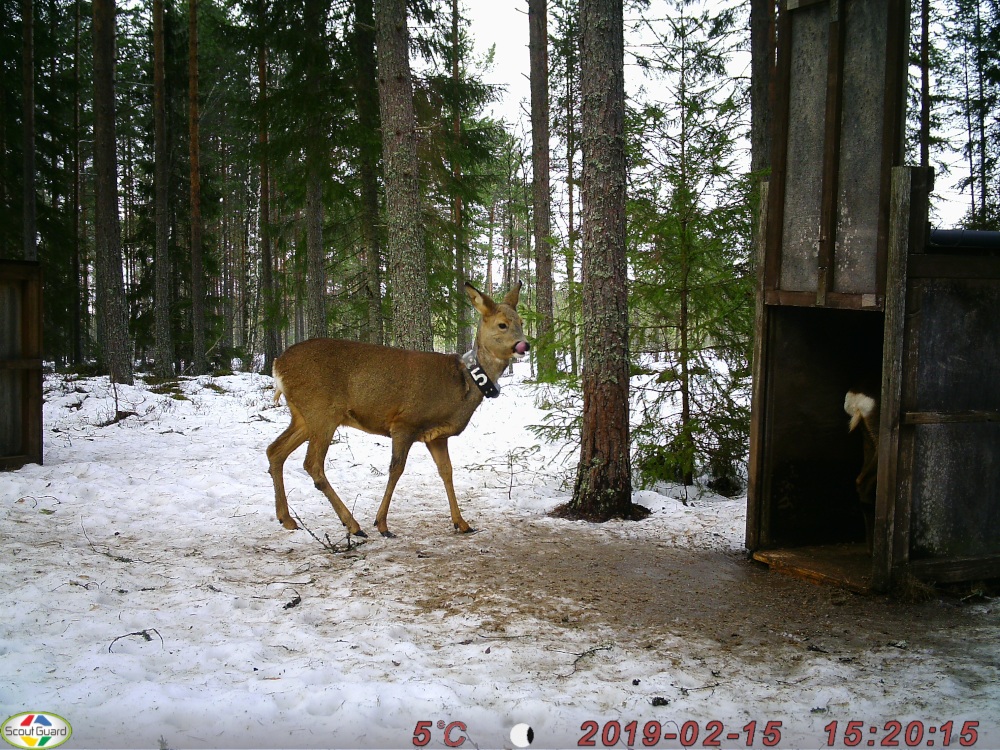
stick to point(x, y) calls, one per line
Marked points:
point(513, 295)
point(480, 301)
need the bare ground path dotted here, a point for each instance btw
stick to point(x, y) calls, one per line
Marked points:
point(541, 578)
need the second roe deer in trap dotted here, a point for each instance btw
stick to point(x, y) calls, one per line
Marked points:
point(863, 409)
point(408, 396)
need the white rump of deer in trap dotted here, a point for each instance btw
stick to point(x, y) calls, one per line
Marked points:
point(408, 396)
point(863, 410)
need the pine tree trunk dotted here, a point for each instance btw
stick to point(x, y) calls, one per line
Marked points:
point(982, 113)
point(538, 45)
point(228, 233)
point(161, 312)
point(571, 301)
point(368, 123)
point(199, 360)
point(604, 482)
point(684, 319)
point(112, 317)
point(315, 258)
point(268, 296)
point(925, 84)
point(489, 249)
point(28, 69)
point(316, 165)
point(76, 324)
point(969, 149)
point(761, 61)
point(411, 309)
point(684, 324)
point(463, 340)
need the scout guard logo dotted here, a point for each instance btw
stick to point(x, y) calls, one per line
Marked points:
point(36, 730)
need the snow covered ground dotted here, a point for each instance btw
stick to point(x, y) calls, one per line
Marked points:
point(152, 599)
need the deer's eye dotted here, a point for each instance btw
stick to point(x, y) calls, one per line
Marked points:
point(502, 326)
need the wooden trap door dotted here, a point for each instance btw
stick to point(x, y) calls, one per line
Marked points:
point(20, 364)
point(838, 133)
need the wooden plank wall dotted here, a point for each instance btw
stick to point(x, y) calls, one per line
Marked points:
point(837, 136)
point(20, 364)
point(954, 415)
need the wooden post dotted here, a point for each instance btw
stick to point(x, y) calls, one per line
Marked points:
point(890, 501)
point(756, 516)
point(908, 205)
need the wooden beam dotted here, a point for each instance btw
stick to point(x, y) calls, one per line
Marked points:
point(953, 266)
point(953, 417)
point(21, 364)
point(956, 569)
point(837, 300)
point(844, 565)
point(830, 179)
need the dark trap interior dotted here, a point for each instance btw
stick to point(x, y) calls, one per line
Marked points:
point(812, 460)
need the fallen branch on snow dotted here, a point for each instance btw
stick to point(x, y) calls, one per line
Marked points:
point(145, 634)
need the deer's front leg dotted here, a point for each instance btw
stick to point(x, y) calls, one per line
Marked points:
point(439, 452)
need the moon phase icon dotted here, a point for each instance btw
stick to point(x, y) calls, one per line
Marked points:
point(522, 735)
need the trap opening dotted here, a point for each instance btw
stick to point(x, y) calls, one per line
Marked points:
point(810, 500)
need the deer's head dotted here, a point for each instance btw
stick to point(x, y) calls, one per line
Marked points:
point(500, 333)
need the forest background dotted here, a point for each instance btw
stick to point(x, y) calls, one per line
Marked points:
point(250, 204)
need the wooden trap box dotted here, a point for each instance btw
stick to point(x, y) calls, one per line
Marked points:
point(20, 364)
point(854, 292)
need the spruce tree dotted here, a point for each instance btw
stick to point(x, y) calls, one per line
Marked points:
point(693, 291)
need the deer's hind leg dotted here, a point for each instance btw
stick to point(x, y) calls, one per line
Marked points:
point(277, 453)
point(319, 444)
point(401, 443)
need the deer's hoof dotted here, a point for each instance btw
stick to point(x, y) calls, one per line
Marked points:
point(360, 533)
point(289, 524)
point(388, 534)
point(466, 530)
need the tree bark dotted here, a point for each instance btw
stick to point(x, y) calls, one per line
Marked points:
point(315, 257)
point(411, 324)
point(112, 316)
point(76, 326)
point(28, 70)
point(570, 45)
point(463, 338)
point(368, 123)
point(925, 84)
point(317, 159)
point(538, 46)
point(199, 359)
point(164, 342)
point(269, 318)
point(761, 66)
point(684, 354)
point(982, 112)
point(604, 480)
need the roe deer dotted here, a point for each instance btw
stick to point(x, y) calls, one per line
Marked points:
point(863, 410)
point(404, 395)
